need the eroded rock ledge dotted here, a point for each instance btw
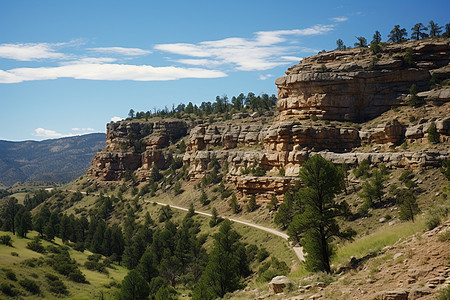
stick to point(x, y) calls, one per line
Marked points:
point(356, 85)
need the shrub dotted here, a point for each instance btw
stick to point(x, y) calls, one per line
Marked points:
point(56, 285)
point(408, 56)
point(362, 170)
point(262, 254)
point(30, 285)
point(11, 275)
point(14, 253)
point(8, 289)
point(36, 245)
point(412, 119)
point(444, 236)
point(433, 135)
point(444, 294)
point(314, 118)
point(5, 240)
point(251, 205)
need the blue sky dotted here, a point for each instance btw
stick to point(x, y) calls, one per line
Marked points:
point(69, 67)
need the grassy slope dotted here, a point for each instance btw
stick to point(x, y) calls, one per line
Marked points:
point(76, 290)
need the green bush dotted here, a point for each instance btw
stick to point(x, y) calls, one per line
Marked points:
point(30, 285)
point(11, 275)
point(56, 286)
point(36, 245)
point(8, 289)
point(262, 254)
point(444, 294)
point(362, 170)
point(5, 240)
point(433, 134)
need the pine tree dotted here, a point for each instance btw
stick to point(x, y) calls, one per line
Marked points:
point(376, 39)
point(148, 265)
point(435, 29)
point(23, 222)
point(407, 204)
point(318, 220)
point(8, 212)
point(433, 134)
point(340, 45)
point(418, 32)
point(362, 42)
point(397, 34)
point(134, 287)
point(224, 269)
point(234, 205)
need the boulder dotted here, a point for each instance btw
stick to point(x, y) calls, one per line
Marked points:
point(278, 284)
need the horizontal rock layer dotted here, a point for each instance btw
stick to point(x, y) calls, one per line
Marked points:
point(356, 85)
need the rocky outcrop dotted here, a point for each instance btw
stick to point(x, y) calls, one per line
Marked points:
point(284, 136)
point(152, 135)
point(356, 85)
point(263, 187)
point(390, 132)
point(136, 146)
point(227, 136)
point(278, 284)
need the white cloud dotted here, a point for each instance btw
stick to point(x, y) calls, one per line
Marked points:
point(46, 133)
point(264, 77)
point(82, 129)
point(116, 119)
point(30, 51)
point(121, 51)
point(106, 72)
point(91, 60)
point(291, 58)
point(260, 53)
point(339, 19)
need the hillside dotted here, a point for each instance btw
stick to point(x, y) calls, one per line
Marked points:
point(385, 143)
point(55, 160)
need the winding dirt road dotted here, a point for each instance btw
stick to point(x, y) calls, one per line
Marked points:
point(298, 250)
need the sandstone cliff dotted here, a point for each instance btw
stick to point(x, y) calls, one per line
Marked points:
point(356, 85)
point(336, 86)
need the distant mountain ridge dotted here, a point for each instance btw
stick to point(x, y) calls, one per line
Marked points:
point(56, 160)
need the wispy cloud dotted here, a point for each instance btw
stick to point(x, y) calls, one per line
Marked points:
point(262, 52)
point(82, 129)
point(120, 51)
point(339, 19)
point(264, 77)
point(46, 133)
point(116, 119)
point(30, 51)
point(106, 72)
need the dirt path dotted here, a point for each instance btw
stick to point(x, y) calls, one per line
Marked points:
point(298, 250)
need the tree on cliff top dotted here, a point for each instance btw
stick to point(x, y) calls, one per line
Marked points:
point(316, 225)
point(397, 34)
point(418, 32)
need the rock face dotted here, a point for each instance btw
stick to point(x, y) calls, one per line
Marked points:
point(136, 146)
point(351, 85)
point(355, 85)
point(278, 284)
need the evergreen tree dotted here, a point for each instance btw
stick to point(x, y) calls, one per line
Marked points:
point(52, 226)
point(23, 222)
point(223, 271)
point(407, 204)
point(446, 34)
point(318, 220)
point(433, 134)
point(64, 228)
point(251, 205)
point(340, 45)
point(148, 265)
point(435, 29)
point(117, 242)
point(362, 42)
point(376, 39)
point(418, 32)
point(214, 219)
point(234, 205)
point(397, 34)
point(8, 212)
point(134, 287)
